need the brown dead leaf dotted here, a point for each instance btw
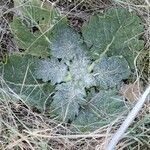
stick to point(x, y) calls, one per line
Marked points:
point(130, 91)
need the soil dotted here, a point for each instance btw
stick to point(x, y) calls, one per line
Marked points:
point(7, 43)
point(78, 11)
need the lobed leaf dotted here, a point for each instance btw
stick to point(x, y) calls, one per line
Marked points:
point(51, 69)
point(67, 100)
point(17, 75)
point(34, 44)
point(37, 14)
point(102, 109)
point(66, 44)
point(116, 32)
point(110, 71)
point(75, 76)
point(32, 26)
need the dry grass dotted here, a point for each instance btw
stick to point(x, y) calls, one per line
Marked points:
point(22, 128)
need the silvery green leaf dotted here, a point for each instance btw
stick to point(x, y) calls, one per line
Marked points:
point(50, 69)
point(66, 44)
point(67, 100)
point(79, 71)
point(110, 71)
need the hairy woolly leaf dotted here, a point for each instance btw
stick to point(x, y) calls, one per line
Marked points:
point(67, 100)
point(109, 71)
point(102, 109)
point(116, 32)
point(17, 74)
point(66, 44)
point(80, 73)
point(51, 69)
point(69, 69)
